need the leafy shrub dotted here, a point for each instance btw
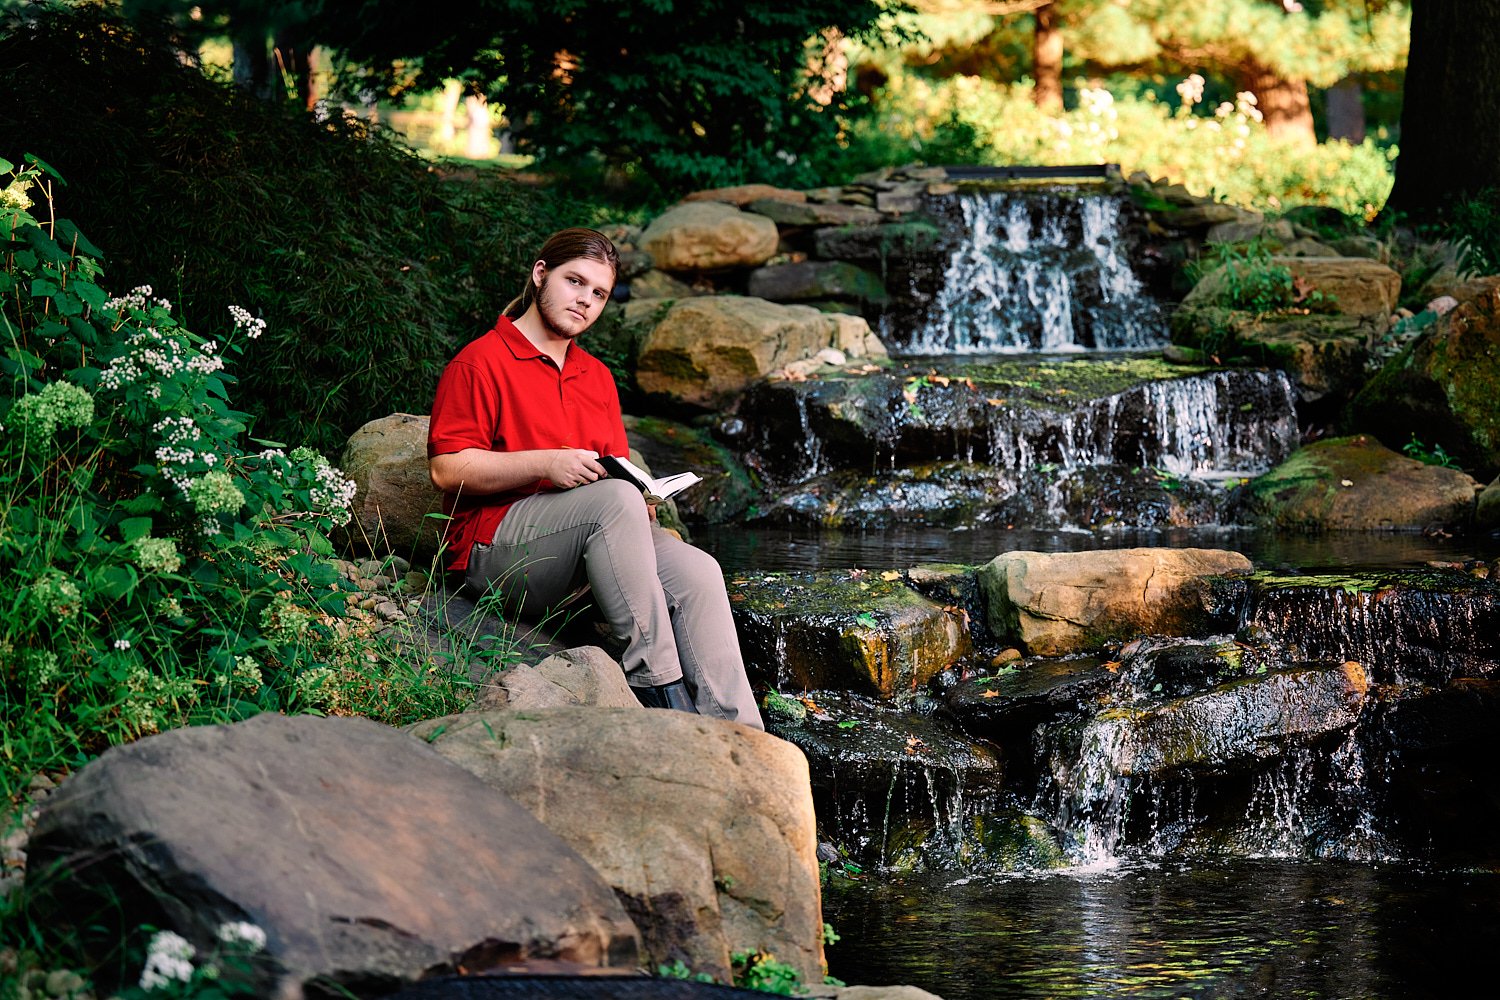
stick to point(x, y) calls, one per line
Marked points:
point(1474, 223)
point(159, 569)
point(1250, 280)
point(369, 264)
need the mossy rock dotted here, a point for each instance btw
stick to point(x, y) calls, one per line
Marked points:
point(1443, 388)
point(1325, 354)
point(1357, 484)
point(941, 493)
point(669, 448)
point(844, 631)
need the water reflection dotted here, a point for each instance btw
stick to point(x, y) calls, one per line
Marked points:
point(1241, 928)
point(769, 548)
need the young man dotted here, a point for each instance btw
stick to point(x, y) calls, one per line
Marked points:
point(521, 416)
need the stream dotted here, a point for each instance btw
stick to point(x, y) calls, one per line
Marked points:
point(1296, 806)
point(1230, 928)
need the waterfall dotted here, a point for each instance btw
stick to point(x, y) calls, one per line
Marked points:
point(1041, 271)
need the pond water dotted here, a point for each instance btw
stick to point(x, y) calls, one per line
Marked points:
point(1236, 928)
point(771, 548)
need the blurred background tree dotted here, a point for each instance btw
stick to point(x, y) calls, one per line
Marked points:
point(1451, 148)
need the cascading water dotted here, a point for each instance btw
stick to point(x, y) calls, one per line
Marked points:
point(1041, 271)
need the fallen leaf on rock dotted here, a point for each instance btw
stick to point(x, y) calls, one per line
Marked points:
point(890, 574)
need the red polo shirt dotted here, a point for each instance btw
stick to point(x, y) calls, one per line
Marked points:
point(502, 394)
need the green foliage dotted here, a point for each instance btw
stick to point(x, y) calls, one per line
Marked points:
point(369, 264)
point(760, 970)
point(1250, 281)
point(1474, 224)
point(677, 969)
point(687, 95)
point(160, 570)
point(1434, 455)
point(1225, 152)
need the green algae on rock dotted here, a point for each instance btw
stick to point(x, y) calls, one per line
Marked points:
point(845, 630)
point(1357, 484)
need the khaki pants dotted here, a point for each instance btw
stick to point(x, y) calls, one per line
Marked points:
point(663, 597)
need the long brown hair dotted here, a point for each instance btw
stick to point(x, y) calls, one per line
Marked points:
point(561, 247)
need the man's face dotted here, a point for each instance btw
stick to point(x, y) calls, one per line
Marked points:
point(572, 295)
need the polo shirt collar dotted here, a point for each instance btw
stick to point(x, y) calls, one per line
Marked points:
point(525, 350)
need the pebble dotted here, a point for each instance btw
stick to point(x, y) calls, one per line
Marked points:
point(389, 611)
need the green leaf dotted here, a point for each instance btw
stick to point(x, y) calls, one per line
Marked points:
point(320, 546)
point(145, 503)
point(116, 581)
point(135, 527)
point(72, 237)
point(867, 620)
point(6, 166)
point(42, 164)
point(45, 247)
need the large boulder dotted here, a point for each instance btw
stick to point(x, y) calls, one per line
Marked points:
point(1069, 602)
point(704, 828)
point(705, 351)
point(366, 857)
point(387, 459)
point(1358, 286)
point(1351, 286)
point(709, 236)
point(1487, 510)
point(840, 631)
point(584, 675)
point(816, 280)
point(1358, 484)
point(1443, 387)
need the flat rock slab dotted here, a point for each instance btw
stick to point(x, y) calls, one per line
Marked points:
point(704, 828)
point(366, 857)
point(1235, 724)
point(1417, 626)
point(865, 632)
point(1073, 602)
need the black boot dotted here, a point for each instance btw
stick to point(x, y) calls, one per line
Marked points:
point(673, 695)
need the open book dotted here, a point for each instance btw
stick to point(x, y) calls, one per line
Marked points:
point(656, 490)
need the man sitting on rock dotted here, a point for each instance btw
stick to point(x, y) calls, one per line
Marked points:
point(521, 416)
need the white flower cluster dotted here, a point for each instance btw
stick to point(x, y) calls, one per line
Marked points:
point(176, 453)
point(1191, 90)
point(150, 352)
point(169, 958)
point(139, 298)
point(250, 326)
point(243, 932)
point(332, 492)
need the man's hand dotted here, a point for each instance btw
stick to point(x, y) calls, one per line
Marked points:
point(651, 512)
point(570, 467)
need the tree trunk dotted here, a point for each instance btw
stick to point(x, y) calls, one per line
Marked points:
point(251, 67)
point(1047, 60)
point(1284, 103)
point(1345, 110)
point(1450, 147)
